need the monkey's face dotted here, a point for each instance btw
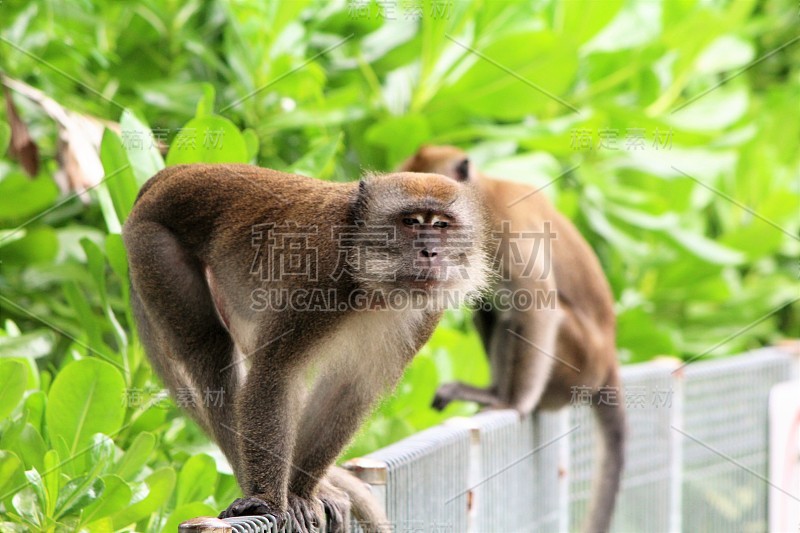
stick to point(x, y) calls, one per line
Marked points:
point(445, 160)
point(434, 230)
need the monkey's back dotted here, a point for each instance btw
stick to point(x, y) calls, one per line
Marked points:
point(587, 337)
point(195, 201)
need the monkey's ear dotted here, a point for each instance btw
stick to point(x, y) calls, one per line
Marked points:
point(462, 170)
point(358, 209)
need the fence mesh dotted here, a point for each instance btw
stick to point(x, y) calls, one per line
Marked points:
point(724, 440)
point(696, 458)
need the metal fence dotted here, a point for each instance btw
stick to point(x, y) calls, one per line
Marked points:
point(696, 457)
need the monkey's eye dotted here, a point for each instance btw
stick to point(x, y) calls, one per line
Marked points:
point(408, 221)
point(440, 224)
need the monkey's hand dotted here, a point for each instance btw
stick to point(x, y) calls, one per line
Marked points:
point(444, 395)
point(253, 506)
point(337, 506)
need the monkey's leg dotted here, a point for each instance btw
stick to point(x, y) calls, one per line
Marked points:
point(611, 425)
point(530, 358)
point(182, 336)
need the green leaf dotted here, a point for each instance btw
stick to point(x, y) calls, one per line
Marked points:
point(30, 502)
point(135, 457)
point(186, 512)
point(12, 474)
point(583, 19)
point(205, 106)
point(208, 139)
point(159, 484)
point(706, 248)
point(5, 136)
point(116, 496)
point(52, 471)
point(543, 67)
point(34, 344)
point(197, 479)
point(34, 409)
point(117, 257)
point(120, 182)
point(251, 140)
point(13, 379)
point(22, 198)
point(86, 398)
point(399, 136)
point(144, 156)
point(31, 448)
point(77, 494)
point(39, 245)
point(318, 161)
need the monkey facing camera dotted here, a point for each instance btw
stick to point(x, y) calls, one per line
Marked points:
point(256, 283)
point(548, 327)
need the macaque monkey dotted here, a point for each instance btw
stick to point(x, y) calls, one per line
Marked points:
point(540, 354)
point(213, 251)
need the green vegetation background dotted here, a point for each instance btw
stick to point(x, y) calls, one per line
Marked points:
point(678, 123)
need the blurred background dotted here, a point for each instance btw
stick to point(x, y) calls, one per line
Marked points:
point(667, 131)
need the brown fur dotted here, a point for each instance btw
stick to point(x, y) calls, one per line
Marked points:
point(522, 345)
point(193, 276)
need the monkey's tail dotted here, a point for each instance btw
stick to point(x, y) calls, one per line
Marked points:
point(365, 509)
point(610, 418)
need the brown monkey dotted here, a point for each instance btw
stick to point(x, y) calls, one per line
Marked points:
point(258, 283)
point(566, 340)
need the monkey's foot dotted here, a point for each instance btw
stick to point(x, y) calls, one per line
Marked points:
point(305, 514)
point(252, 506)
point(337, 507)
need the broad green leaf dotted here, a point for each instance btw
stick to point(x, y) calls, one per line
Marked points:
point(537, 169)
point(251, 140)
point(706, 248)
point(197, 479)
point(31, 448)
point(86, 398)
point(317, 162)
point(399, 136)
point(12, 474)
point(208, 139)
point(116, 496)
point(144, 157)
point(13, 379)
point(39, 245)
point(34, 409)
point(188, 511)
point(78, 493)
point(22, 198)
point(714, 111)
point(725, 53)
point(159, 489)
point(120, 180)
point(227, 489)
point(582, 19)
point(516, 75)
point(135, 457)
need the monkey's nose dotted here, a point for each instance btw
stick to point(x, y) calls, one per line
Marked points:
point(425, 252)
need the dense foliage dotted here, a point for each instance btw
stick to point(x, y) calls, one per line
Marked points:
point(667, 131)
